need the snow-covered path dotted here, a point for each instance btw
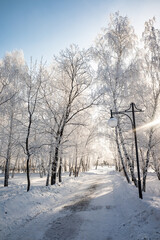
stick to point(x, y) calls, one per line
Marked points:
point(117, 213)
point(99, 205)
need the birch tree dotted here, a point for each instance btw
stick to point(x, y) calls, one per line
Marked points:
point(12, 69)
point(71, 94)
point(114, 51)
point(151, 80)
point(32, 81)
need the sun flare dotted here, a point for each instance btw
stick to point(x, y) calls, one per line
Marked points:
point(150, 124)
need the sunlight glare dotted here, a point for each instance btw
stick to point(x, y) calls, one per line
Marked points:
point(149, 125)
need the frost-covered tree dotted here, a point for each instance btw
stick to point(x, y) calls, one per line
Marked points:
point(32, 84)
point(69, 95)
point(12, 69)
point(150, 97)
point(115, 50)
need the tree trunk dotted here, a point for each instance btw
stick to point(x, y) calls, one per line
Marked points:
point(53, 176)
point(97, 163)
point(28, 177)
point(70, 168)
point(158, 174)
point(50, 158)
point(127, 156)
point(6, 175)
point(65, 165)
point(49, 167)
point(60, 171)
point(28, 152)
point(121, 158)
point(116, 164)
point(70, 171)
point(15, 165)
point(79, 166)
point(76, 162)
point(54, 166)
point(145, 169)
point(156, 165)
point(88, 163)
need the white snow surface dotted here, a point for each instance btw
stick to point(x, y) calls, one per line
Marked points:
point(98, 205)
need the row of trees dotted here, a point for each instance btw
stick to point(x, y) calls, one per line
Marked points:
point(54, 115)
point(131, 73)
point(45, 111)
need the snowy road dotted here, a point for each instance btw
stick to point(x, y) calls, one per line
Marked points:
point(105, 212)
point(99, 206)
point(68, 227)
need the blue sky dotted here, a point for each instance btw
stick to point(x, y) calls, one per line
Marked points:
point(44, 27)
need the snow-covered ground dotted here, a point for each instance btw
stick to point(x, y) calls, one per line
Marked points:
point(98, 205)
